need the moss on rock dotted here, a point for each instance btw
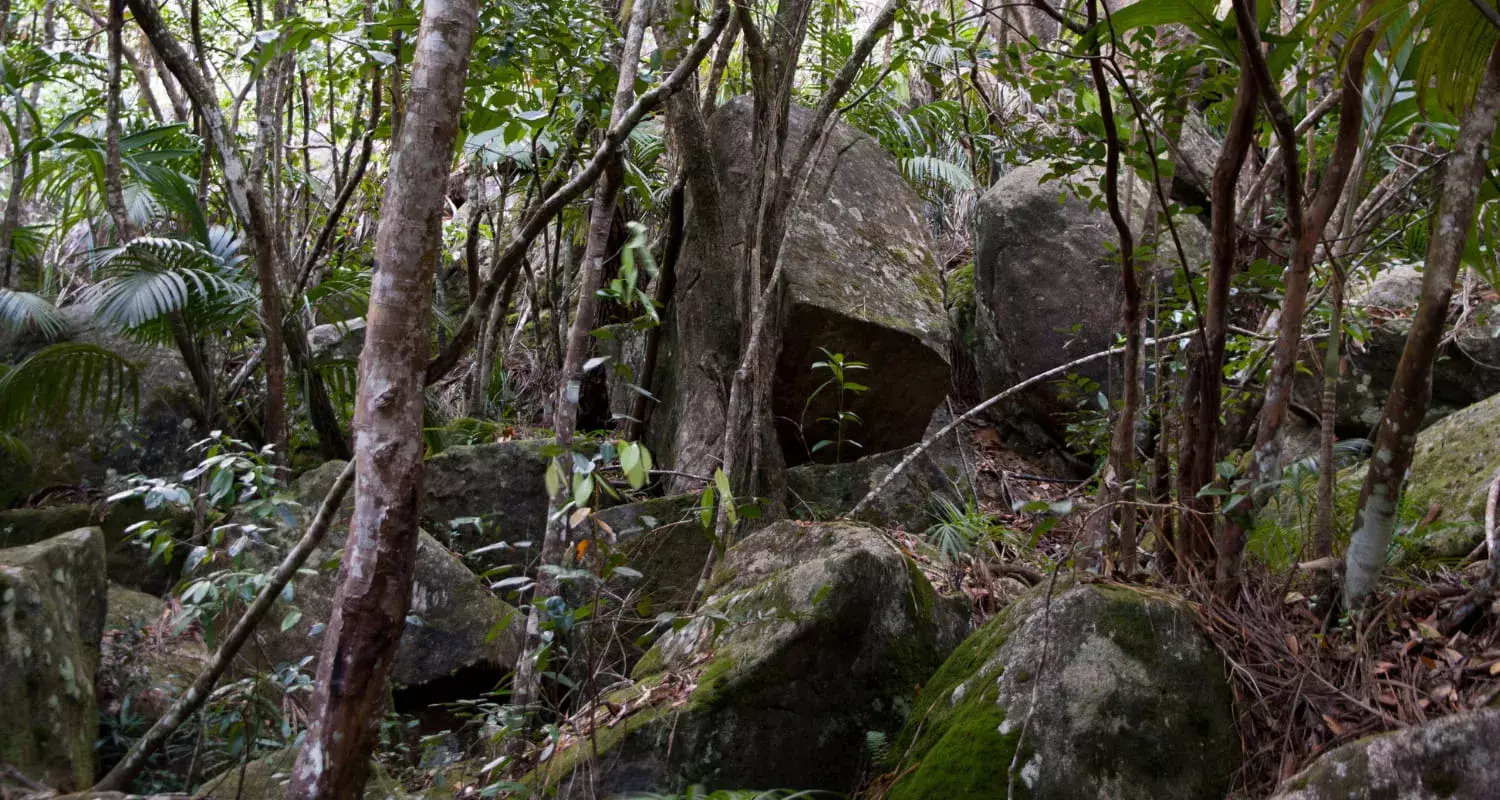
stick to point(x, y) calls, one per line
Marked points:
point(1118, 694)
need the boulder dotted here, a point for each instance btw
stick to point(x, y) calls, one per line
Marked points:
point(129, 563)
point(337, 342)
point(454, 623)
point(1112, 692)
point(1467, 369)
point(266, 778)
point(861, 280)
point(154, 438)
point(826, 491)
point(1450, 757)
point(1047, 281)
point(52, 607)
point(145, 665)
point(813, 637)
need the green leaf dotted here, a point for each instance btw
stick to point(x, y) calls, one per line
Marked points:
point(721, 480)
point(291, 618)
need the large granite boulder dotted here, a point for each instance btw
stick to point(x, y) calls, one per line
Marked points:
point(153, 438)
point(1111, 692)
point(267, 777)
point(1047, 281)
point(52, 607)
point(455, 623)
point(337, 342)
point(1467, 369)
point(1452, 758)
point(813, 637)
point(861, 280)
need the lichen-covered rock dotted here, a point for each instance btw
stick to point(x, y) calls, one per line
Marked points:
point(1452, 758)
point(813, 637)
point(1112, 692)
point(909, 502)
point(52, 607)
point(1467, 369)
point(861, 280)
point(337, 341)
point(129, 563)
point(145, 665)
point(1047, 281)
point(266, 778)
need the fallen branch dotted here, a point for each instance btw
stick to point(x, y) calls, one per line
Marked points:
point(124, 772)
point(976, 410)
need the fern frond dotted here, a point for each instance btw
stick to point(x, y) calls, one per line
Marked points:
point(65, 379)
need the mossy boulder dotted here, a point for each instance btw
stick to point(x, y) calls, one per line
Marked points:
point(1452, 465)
point(454, 622)
point(1111, 692)
point(1047, 280)
point(1452, 757)
point(52, 609)
point(813, 638)
point(129, 563)
point(146, 665)
point(861, 279)
point(1463, 374)
point(266, 778)
point(337, 342)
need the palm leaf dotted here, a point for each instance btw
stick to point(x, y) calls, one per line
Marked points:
point(150, 277)
point(1452, 39)
point(64, 379)
point(934, 171)
point(24, 311)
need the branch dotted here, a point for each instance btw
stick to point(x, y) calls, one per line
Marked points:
point(537, 222)
point(124, 772)
point(976, 410)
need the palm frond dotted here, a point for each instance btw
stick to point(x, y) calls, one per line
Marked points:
point(24, 311)
point(65, 379)
point(150, 277)
point(1452, 40)
point(931, 171)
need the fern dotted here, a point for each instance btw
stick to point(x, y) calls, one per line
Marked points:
point(65, 379)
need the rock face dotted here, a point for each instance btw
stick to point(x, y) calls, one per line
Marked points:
point(336, 341)
point(129, 564)
point(829, 630)
point(1047, 284)
point(266, 778)
point(1113, 694)
point(52, 606)
point(1452, 757)
point(1466, 372)
point(861, 281)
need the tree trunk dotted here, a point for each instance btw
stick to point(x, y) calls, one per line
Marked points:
point(370, 606)
point(1198, 437)
point(1412, 387)
point(570, 382)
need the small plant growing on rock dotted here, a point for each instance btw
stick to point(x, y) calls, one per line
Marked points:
point(838, 368)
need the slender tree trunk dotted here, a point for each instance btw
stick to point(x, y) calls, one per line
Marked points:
point(369, 609)
point(1199, 434)
point(1411, 390)
point(114, 178)
point(1322, 539)
point(570, 383)
point(1118, 485)
point(1306, 226)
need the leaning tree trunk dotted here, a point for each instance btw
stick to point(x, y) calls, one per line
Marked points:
point(1412, 387)
point(369, 609)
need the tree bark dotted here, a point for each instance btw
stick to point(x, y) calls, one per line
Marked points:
point(1411, 389)
point(370, 606)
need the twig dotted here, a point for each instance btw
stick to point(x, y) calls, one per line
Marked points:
point(976, 410)
point(130, 766)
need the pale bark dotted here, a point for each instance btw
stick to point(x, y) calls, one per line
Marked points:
point(1406, 406)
